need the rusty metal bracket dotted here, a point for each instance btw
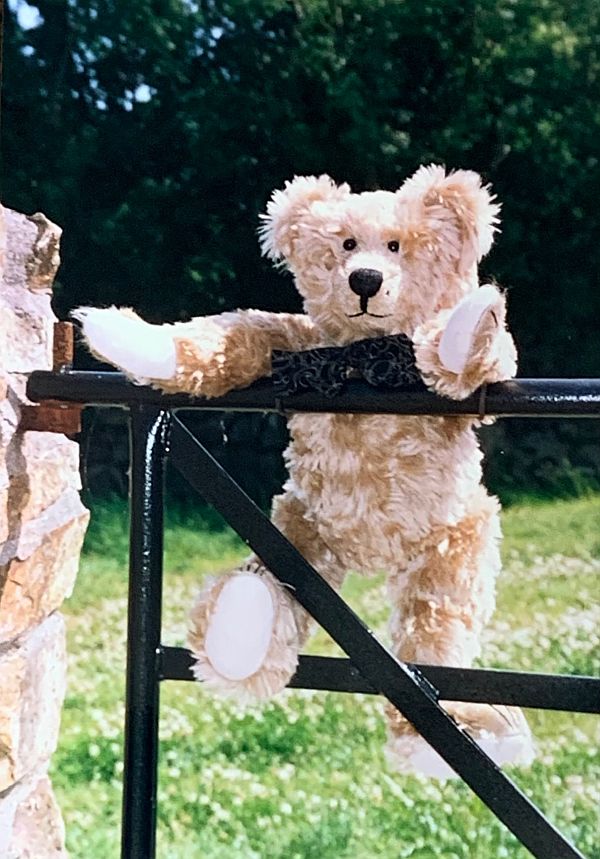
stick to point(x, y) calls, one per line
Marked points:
point(55, 415)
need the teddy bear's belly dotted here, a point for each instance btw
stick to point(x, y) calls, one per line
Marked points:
point(374, 485)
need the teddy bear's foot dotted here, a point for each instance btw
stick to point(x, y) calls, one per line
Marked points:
point(500, 731)
point(121, 338)
point(244, 636)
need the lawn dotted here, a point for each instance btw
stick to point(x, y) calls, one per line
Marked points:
point(304, 776)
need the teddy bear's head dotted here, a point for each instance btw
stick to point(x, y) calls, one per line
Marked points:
point(380, 262)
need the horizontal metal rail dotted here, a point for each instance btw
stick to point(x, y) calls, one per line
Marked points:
point(481, 685)
point(517, 398)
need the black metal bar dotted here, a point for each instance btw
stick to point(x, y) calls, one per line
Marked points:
point(407, 689)
point(413, 689)
point(149, 437)
point(520, 397)
point(485, 686)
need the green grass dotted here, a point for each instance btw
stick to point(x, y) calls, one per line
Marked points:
point(305, 776)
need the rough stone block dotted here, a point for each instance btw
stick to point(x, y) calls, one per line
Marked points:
point(9, 802)
point(26, 317)
point(41, 567)
point(9, 418)
point(41, 466)
point(38, 828)
point(42, 524)
point(3, 505)
point(24, 341)
point(32, 680)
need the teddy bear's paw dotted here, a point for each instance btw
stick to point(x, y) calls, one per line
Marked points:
point(240, 629)
point(471, 325)
point(119, 337)
point(500, 731)
point(243, 636)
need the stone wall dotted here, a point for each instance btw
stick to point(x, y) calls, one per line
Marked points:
point(42, 524)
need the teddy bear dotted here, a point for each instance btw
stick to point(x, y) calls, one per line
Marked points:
point(365, 492)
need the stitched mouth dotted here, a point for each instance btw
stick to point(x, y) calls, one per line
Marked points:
point(366, 313)
point(363, 304)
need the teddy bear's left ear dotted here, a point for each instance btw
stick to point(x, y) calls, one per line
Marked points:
point(289, 210)
point(457, 209)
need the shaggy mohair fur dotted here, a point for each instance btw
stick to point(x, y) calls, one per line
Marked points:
point(367, 492)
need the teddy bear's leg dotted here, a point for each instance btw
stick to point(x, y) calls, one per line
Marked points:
point(246, 628)
point(441, 602)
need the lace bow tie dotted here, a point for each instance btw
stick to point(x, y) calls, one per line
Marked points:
point(387, 362)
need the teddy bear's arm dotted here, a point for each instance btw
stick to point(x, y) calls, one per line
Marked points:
point(207, 356)
point(218, 354)
point(484, 353)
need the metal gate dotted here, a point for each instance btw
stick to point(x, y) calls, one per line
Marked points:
point(157, 433)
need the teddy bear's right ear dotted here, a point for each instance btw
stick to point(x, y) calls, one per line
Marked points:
point(458, 210)
point(288, 211)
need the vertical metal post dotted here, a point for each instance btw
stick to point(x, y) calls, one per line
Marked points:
point(149, 430)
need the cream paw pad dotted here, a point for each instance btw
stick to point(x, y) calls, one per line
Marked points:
point(458, 337)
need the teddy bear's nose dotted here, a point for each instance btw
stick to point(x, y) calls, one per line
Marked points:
point(365, 282)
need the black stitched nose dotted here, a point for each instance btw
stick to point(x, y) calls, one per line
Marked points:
point(365, 282)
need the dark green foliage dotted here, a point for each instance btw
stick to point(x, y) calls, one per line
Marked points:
point(159, 199)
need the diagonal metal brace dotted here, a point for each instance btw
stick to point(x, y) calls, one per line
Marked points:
point(404, 686)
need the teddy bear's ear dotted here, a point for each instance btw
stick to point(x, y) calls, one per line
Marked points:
point(288, 211)
point(458, 210)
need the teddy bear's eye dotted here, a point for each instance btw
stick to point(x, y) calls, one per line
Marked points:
point(349, 244)
point(394, 247)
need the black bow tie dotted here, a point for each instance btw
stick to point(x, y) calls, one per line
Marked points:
point(387, 362)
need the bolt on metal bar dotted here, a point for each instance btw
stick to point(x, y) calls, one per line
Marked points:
point(519, 397)
point(406, 688)
point(149, 429)
point(571, 693)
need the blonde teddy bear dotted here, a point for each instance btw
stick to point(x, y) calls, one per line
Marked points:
point(365, 492)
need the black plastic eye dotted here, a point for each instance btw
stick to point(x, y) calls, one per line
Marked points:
point(394, 247)
point(349, 244)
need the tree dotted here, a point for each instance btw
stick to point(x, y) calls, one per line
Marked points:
point(154, 133)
